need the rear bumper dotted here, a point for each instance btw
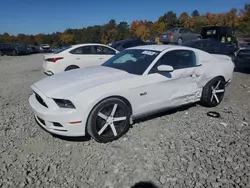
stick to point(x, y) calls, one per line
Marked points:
point(48, 69)
point(48, 73)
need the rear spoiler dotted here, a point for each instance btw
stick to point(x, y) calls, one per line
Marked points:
point(225, 57)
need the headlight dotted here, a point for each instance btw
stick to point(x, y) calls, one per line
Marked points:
point(62, 103)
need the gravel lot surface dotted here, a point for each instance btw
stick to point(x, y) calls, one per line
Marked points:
point(178, 149)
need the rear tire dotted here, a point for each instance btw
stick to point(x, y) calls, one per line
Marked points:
point(108, 120)
point(213, 92)
point(1, 53)
point(71, 67)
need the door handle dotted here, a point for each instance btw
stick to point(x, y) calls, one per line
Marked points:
point(100, 58)
point(78, 58)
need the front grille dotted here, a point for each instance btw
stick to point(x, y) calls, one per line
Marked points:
point(40, 100)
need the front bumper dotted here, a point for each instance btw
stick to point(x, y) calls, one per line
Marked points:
point(57, 120)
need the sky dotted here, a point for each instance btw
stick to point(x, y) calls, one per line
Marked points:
point(48, 16)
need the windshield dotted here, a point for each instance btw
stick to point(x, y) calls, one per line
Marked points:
point(62, 49)
point(133, 61)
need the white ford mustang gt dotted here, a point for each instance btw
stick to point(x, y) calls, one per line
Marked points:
point(103, 101)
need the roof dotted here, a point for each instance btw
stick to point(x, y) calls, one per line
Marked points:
point(87, 44)
point(159, 47)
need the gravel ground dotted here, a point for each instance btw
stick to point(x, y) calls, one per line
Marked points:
point(178, 149)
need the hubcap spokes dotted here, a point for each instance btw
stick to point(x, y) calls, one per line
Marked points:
point(110, 120)
point(215, 91)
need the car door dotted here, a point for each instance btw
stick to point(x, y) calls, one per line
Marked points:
point(191, 35)
point(82, 56)
point(102, 53)
point(170, 89)
point(183, 34)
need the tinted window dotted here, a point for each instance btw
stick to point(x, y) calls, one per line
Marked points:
point(178, 59)
point(132, 61)
point(82, 50)
point(61, 49)
point(103, 50)
point(183, 31)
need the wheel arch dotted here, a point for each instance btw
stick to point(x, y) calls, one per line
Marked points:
point(213, 77)
point(125, 100)
point(71, 66)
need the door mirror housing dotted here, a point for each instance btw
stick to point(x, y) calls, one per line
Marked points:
point(165, 68)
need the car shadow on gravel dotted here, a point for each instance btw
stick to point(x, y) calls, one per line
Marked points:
point(144, 184)
point(164, 113)
point(73, 139)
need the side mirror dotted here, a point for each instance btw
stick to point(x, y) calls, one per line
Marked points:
point(165, 68)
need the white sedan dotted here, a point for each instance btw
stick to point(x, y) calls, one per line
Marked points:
point(77, 56)
point(103, 101)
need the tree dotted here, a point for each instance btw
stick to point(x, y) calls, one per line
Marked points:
point(183, 18)
point(158, 28)
point(169, 18)
point(195, 13)
point(244, 20)
point(123, 31)
point(140, 29)
point(109, 32)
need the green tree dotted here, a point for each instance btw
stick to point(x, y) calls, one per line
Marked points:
point(169, 18)
point(195, 13)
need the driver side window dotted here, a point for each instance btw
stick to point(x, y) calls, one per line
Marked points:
point(178, 59)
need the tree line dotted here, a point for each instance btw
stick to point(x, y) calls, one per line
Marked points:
point(237, 19)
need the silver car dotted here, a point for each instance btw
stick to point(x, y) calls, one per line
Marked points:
point(178, 35)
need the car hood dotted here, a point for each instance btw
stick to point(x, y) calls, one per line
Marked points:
point(67, 84)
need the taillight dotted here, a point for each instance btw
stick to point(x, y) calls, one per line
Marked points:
point(55, 59)
point(171, 34)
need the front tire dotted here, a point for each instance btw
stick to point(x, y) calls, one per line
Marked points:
point(213, 92)
point(108, 120)
point(1, 53)
point(71, 67)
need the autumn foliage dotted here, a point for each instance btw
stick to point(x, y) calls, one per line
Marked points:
point(239, 20)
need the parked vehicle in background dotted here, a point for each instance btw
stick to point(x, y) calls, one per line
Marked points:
point(213, 46)
point(45, 48)
point(77, 56)
point(7, 49)
point(127, 43)
point(178, 35)
point(36, 49)
point(243, 58)
point(223, 34)
point(54, 49)
point(21, 49)
point(102, 101)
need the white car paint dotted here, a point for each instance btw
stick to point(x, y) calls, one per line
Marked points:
point(147, 93)
point(67, 58)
